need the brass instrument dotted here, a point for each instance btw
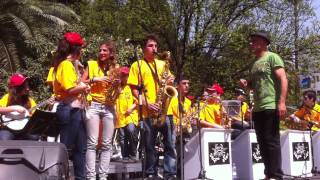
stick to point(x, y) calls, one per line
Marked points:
point(114, 89)
point(166, 92)
point(226, 120)
point(186, 121)
point(79, 70)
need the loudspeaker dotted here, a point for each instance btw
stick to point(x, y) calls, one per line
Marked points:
point(20, 160)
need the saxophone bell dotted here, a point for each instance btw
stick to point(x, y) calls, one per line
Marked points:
point(170, 91)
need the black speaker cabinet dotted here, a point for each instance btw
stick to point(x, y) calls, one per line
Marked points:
point(21, 160)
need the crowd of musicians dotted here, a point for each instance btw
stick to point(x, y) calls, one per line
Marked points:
point(95, 100)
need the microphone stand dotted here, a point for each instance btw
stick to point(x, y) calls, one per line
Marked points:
point(181, 110)
point(202, 173)
point(140, 89)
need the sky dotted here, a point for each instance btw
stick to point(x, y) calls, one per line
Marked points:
point(316, 5)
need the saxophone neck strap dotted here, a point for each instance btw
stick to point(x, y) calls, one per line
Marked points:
point(154, 72)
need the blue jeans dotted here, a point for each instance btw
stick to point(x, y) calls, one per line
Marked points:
point(73, 135)
point(169, 138)
point(128, 140)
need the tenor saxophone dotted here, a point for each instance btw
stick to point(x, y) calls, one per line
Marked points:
point(165, 93)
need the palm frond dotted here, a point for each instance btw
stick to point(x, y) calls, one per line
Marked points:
point(59, 10)
point(9, 58)
point(10, 22)
point(36, 15)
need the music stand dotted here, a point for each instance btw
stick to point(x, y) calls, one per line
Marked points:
point(42, 123)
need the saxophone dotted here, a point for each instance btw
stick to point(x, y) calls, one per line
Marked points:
point(113, 91)
point(187, 119)
point(165, 93)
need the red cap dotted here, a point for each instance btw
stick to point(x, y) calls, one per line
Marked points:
point(124, 70)
point(216, 87)
point(74, 38)
point(16, 80)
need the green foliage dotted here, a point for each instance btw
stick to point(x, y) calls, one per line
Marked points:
point(29, 29)
point(208, 39)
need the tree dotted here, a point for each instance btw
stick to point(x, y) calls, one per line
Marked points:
point(28, 30)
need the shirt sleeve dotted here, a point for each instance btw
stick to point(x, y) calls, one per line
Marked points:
point(133, 75)
point(276, 61)
point(66, 75)
point(4, 101)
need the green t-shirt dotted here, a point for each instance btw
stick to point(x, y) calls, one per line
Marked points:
point(264, 82)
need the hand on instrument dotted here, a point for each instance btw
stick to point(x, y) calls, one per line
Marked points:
point(101, 79)
point(170, 80)
point(86, 88)
point(19, 109)
point(51, 100)
point(116, 82)
point(154, 107)
point(194, 121)
point(294, 118)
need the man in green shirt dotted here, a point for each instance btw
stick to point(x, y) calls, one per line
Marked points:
point(269, 82)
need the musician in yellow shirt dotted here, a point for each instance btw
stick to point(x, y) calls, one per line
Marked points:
point(148, 72)
point(101, 109)
point(69, 91)
point(127, 118)
point(240, 122)
point(173, 109)
point(308, 115)
point(173, 125)
point(211, 111)
point(16, 100)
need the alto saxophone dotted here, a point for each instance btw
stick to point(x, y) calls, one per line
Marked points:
point(113, 91)
point(187, 119)
point(166, 92)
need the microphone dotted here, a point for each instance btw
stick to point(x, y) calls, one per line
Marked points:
point(133, 41)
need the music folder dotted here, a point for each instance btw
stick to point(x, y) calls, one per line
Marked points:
point(42, 123)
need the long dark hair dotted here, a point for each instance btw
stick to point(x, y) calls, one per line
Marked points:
point(63, 50)
point(112, 61)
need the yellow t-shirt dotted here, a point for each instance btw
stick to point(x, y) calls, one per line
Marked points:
point(150, 84)
point(309, 115)
point(124, 101)
point(65, 78)
point(50, 76)
point(210, 113)
point(5, 100)
point(97, 92)
point(173, 108)
point(244, 109)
